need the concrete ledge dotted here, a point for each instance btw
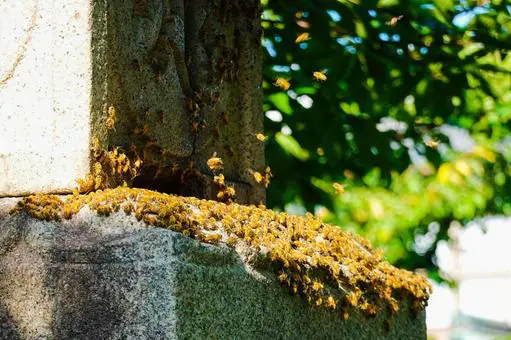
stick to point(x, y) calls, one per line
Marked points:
point(94, 277)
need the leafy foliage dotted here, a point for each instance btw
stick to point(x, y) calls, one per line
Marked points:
point(401, 76)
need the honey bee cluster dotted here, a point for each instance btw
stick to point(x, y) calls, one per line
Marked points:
point(329, 267)
point(110, 169)
point(225, 193)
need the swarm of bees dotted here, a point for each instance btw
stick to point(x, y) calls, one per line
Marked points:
point(329, 267)
point(111, 168)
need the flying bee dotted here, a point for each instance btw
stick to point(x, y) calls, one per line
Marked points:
point(433, 143)
point(394, 20)
point(319, 75)
point(339, 188)
point(258, 177)
point(112, 118)
point(260, 137)
point(282, 83)
point(302, 37)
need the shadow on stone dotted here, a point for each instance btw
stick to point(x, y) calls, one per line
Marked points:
point(8, 327)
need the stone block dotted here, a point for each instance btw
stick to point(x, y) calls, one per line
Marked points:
point(166, 83)
point(94, 277)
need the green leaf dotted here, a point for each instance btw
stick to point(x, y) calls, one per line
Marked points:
point(291, 146)
point(281, 102)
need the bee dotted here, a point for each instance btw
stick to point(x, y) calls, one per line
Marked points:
point(158, 76)
point(316, 286)
point(191, 105)
point(111, 119)
point(260, 137)
point(319, 75)
point(219, 180)
point(433, 143)
point(302, 37)
point(258, 177)
point(282, 83)
point(213, 238)
point(394, 20)
point(214, 97)
point(98, 182)
point(215, 163)
point(231, 240)
point(330, 302)
point(339, 188)
point(195, 127)
point(345, 315)
point(97, 168)
point(146, 130)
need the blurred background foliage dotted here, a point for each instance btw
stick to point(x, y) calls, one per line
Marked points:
point(413, 121)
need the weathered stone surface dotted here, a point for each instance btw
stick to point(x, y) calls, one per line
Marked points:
point(114, 278)
point(45, 85)
point(170, 82)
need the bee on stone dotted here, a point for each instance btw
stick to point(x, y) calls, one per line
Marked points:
point(111, 119)
point(215, 163)
point(282, 83)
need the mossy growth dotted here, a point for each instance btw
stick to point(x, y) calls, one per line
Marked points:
point(330, 267)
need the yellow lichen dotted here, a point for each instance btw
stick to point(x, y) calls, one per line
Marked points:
point(330, 267)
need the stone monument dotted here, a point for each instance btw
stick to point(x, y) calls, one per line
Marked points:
point(169, 82)
point(100, 95)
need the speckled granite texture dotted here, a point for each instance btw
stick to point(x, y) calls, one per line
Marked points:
point(113, 278)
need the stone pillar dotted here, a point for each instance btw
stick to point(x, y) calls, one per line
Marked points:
point(166, 82)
